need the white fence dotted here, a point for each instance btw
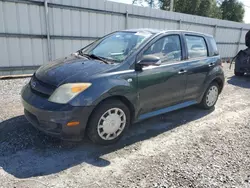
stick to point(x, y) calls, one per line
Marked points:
point(32, 32)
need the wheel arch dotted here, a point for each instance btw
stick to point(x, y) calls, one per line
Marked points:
point(220, 83)
point(121, 98)
point(219, 80)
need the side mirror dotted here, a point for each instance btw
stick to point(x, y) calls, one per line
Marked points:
point(150, 60)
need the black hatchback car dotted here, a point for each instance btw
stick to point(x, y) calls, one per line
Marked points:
point(124, 77)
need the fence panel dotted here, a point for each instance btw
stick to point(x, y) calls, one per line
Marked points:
point(30, 36)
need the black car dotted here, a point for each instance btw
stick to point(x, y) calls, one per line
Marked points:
point(242, 59)
point(124, 77)
point(242, 62)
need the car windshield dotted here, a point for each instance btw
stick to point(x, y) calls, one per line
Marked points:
point(117, 46)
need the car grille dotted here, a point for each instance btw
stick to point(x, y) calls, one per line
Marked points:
point(40, 88)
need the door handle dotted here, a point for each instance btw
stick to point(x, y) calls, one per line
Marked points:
point(211, 64)
point(182, 71)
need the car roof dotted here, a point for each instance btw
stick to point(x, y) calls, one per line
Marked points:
point(153, 31)
point(157, 31)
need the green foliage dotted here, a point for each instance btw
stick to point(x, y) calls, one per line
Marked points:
point(215, 11)
point(232, 10)
point(208, 8)
point(221, 9)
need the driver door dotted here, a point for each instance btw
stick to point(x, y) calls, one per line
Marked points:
point(164, 85)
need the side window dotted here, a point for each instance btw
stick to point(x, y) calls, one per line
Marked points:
point(214, 49)
point(196, 46)
point(167, 48)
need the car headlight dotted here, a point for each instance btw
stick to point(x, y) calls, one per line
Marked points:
point(66, 92)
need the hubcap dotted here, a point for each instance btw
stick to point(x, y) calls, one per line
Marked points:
point(212, 95)
point(111, 124)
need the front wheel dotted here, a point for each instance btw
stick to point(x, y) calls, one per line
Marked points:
point(108, 122)
point(210, 97)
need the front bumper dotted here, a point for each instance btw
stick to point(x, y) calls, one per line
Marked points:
point(52, 118)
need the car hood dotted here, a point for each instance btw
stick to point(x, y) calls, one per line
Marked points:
point(70, 69)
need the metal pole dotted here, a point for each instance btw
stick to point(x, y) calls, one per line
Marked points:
point(171, 5)
point(47, 29)
point(179, 24)
point(215, 31)
point(126, 19)
point(241, 31)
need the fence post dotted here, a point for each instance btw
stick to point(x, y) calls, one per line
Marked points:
point(180, 24)
point(126, 19)
point(215, 31)
point(47, 29)
point(241, 31)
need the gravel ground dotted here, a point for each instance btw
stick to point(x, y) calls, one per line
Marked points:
point(200, 149)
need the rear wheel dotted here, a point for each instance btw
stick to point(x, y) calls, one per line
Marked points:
point(238, 73)
point(108, 122)
point(210, 97)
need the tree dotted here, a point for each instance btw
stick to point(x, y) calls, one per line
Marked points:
point(221, 9)
point(232, 10)
point(215, 11)
point(208, 8)
point(151, 3)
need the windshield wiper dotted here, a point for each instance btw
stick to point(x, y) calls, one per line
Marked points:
point(95, 57)
point(79, 55)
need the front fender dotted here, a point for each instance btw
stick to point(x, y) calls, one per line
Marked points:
point(102, 88)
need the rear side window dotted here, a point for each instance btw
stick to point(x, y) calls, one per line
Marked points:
point(214, 49)
point(196, 46)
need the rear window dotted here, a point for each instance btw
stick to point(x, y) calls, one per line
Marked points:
point(196, 46)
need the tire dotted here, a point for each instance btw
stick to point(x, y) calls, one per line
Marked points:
point(238, 73)
point(207, 103)
point(108, 122)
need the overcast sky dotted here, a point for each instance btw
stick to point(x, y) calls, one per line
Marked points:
point(245, 2)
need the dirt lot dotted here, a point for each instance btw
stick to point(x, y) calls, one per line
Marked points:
point(186, 148)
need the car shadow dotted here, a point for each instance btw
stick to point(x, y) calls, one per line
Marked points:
point(240, 81)
point(26, 152)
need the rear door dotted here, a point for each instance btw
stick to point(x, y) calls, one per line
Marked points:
point(164, 85)
point(199, 65)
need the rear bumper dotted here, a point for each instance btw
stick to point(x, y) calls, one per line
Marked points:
point(52, 118)
point(242, 68)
